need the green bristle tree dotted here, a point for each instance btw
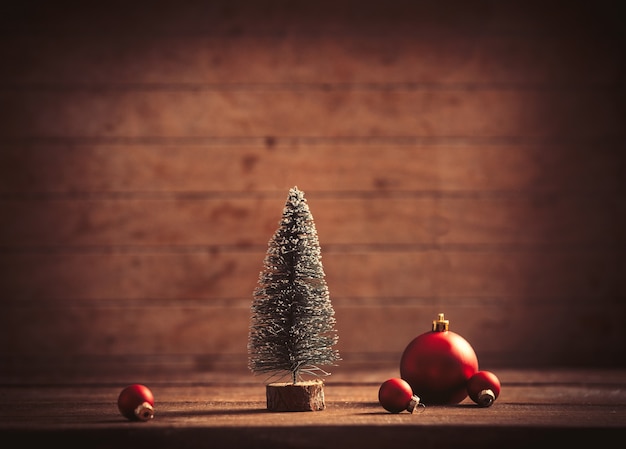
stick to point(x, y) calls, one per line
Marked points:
point(292, 326)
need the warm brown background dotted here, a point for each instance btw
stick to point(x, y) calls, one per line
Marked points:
point(458, 157)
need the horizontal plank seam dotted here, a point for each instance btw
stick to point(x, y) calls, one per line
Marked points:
point(359, 30)
point(134, 358)
point(613, 247)
point(305, 86)
point(440, 301)
point(236, 363)
point(271, 141)
point(601, 195)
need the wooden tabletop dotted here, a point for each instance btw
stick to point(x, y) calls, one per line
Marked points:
point(229, 410)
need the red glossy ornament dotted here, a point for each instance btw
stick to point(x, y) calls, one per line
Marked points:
point(136, 403)
point(395, 395)
point(483, 388)
point(437, 364)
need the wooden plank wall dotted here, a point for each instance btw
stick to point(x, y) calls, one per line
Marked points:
point(458, 157)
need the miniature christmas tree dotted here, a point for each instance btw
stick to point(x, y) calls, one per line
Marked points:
point(292, 325)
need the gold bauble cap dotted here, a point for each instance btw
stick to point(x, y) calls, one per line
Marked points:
point(440, 324)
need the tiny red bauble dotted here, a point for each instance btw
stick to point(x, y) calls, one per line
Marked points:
point(395, 395)
point(483, 388)
point(136, 403)
point(437, 364)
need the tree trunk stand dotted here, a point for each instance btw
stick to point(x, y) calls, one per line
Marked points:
point(305, 396)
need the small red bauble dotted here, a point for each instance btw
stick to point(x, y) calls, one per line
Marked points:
point(437, 365)
point(483, 388)
point(136, 403)
point(395, 395)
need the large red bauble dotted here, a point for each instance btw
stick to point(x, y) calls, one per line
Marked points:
point(437, 365)
point(136, 402)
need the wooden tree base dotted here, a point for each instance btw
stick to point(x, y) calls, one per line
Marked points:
point(305, 396)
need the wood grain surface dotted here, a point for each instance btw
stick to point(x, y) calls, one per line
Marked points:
point(570, 406)
point(458, 157)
